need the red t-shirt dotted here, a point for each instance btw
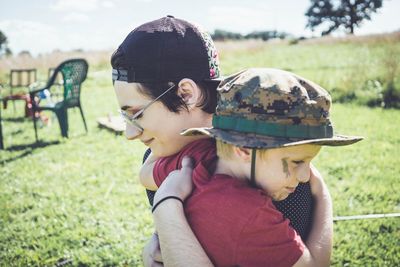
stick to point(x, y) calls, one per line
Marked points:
point(199, 150)
point(237, 225)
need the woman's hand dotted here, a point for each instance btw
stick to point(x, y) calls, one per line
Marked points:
point(316, 181)
point(152, 254)
point(178, 183)
point(146, 173)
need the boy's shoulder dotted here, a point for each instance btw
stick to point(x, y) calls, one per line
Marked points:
point(198, 150)
point(201, 145)
point(225, 194)
point(227, 212)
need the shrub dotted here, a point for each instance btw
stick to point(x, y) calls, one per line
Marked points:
point(391, 92)
point(371, 94)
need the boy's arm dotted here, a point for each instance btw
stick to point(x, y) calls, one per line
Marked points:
point(319, 242)
point(179, 245)
point(146, 173)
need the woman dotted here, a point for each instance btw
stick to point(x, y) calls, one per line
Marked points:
point(165, 76)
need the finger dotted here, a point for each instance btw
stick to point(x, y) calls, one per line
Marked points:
point(156, 252)
point(156, 255)
point(314, 172)
point(187, 162)
point(156, 264)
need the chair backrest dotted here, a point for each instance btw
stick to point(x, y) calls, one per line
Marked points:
point(59, 78)
point(22, 77)
point(74, 72)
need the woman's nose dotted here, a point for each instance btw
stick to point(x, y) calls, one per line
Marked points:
point(132, 132)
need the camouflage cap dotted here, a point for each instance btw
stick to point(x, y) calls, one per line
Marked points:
point(267, 108)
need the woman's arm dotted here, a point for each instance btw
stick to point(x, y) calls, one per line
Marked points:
point(146, 173)
point(319, 242)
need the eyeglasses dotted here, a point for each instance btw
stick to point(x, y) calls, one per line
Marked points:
point(132, 119)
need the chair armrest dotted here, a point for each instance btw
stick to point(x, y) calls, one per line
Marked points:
point(35, 85)
point(35, 91)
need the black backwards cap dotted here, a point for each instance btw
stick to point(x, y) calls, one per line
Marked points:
point(168, 49)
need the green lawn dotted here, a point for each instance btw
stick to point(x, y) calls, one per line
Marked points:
point(78, 201)
point(352, 71)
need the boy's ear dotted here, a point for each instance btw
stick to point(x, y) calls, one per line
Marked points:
point(242, 153)
point(189, 92)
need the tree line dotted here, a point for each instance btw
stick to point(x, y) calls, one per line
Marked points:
point(222, 35)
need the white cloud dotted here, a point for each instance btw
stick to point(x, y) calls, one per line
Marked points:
point(75, 5)
point(76, 17)
point(379, 21)
point(38, 38)
point(107, 4)
point(240, 19)
point(81, 5)
point(259, 17)
point(30, 35)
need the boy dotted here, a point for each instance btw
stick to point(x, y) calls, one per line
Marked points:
point(269, 125)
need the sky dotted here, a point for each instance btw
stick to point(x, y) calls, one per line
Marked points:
point(42, 26)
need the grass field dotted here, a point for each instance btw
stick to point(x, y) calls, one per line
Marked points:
point(77, 201)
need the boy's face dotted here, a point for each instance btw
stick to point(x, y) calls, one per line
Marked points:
point(280, 171)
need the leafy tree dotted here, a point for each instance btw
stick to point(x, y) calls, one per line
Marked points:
point(340, 13)
point(266, 35)
point(222, 35)
point(25, 53)
point(4, 44)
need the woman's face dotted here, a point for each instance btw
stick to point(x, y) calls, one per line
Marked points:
point(161, 127)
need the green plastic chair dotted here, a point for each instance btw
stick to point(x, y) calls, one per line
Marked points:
point(74, 72)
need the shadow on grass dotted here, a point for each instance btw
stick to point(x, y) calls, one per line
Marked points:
point(26, 153)
point(29, 149)
point(16, 132)
point(18, 119)
point(34, 145)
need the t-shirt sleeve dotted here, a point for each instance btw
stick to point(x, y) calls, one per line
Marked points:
point(268, 241)
point(197, 150)
point(164, 166)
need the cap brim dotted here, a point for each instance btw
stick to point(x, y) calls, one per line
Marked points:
point(261, 141)
point(215, 80)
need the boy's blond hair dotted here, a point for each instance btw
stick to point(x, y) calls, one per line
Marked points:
point(224, 150)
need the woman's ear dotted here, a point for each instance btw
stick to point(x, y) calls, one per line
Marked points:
point(243, 153)
point(189, 92)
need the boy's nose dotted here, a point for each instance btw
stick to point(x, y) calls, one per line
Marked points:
point(303, 173)
point(131, 132)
